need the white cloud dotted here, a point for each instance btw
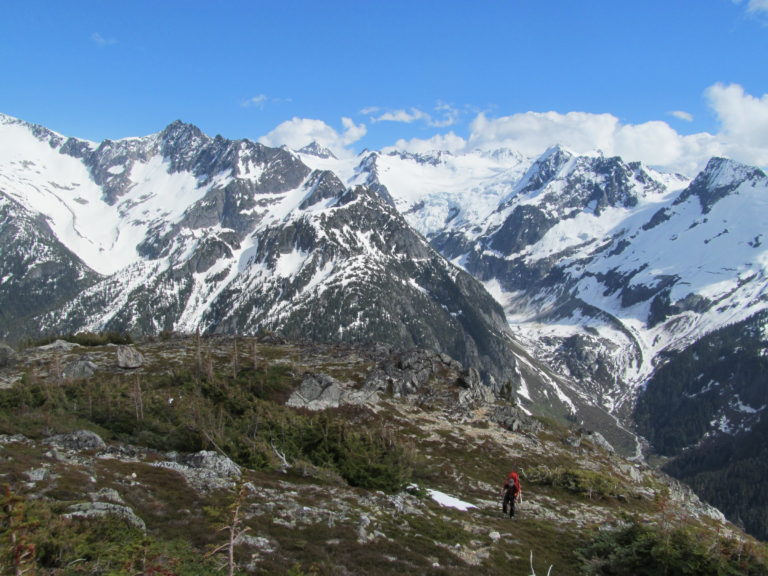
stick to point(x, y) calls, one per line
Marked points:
point(449, 142)
point(755, 6)
point(402, 116)
point(534, 132)
point(101, 40)
point(450, 115)
point(743, 134)
point(682, 115)
point(758, 6)
point(742, 116)
point(261, 100)
point(257, 101)
point(298, 132)
point(444, 115)
point(743, 121)
point(655, 143)
point(352, 132)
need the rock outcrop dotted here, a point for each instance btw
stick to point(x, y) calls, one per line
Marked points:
point(8, 356)
point(128, 357)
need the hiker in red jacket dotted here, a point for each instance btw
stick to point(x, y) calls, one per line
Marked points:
point(511, 493)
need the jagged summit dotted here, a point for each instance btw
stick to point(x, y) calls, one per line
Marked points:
point(180, 136)
point(6, 119)
point(430, 158)
point(314, 148)
point(720, 178)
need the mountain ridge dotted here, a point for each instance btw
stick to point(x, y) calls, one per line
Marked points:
point(233, 236)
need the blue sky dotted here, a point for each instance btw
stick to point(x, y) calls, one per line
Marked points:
point(669, 82)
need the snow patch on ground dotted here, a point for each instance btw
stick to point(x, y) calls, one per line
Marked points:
point(288, 265)
point(449, 501)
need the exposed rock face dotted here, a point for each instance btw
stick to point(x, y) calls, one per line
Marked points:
point(8, 356)
point(525, 226)
point(212, 462)
point(205, 470)
point(514, 419)
point(102, 509)
point(129, 357)
point(407, 372)
point(422, 377)
point(320, 391)
point(599, 440)
point(38, 272)
point(78, 441)
point(60, 345)
point(317, 390)
point(431, 380)
point(81, 368)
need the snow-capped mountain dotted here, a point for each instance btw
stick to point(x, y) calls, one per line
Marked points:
point(599, 264)
point(180, 231)
point(603, 267)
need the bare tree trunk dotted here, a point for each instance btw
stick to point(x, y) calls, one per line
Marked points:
point(138, 399)
point(234, 532)
point(198, 353)
point(235, 366)
point(255, 355)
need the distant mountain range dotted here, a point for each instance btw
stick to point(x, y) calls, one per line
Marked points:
point(576, 281)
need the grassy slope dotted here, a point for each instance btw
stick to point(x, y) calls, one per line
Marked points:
point(340, 506)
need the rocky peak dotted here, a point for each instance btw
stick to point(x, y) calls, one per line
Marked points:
point(367, 170)
point(180, 143)
point(42, 133)
point(367, 174)
point(545, 169)
point(720, 178)
point(179, 133)
point(503, 154)
point(314, 148)
point(77, 148)
point(432, 158)
point(110, 164)
point(322, 185)
point(615, 183)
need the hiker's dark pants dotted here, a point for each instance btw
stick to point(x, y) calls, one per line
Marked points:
point(509, 502)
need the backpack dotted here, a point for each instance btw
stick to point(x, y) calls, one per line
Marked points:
point(514, 479)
